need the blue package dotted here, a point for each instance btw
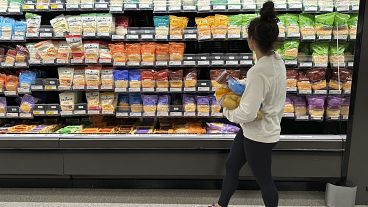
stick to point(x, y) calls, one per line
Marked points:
point(134, 75)
point(121, 75)
point(19, 28)
point(26, 79)
point(135, 98)
point(161, 21)
point(7, 24)
point(235, 86)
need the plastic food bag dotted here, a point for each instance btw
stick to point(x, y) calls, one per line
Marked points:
point(324, 24)
point(291, 78)
point(246, 19)
point(290, 50)
point(11, 83)
point(46, 50)
point(148, 78)
point(89, 24)
point(79, 78)
point(118, 52)
point(162, 52)
point(177, 25)
point(289, 106)
point(203, 104)
point(317, 78)
point(148, 51)
point(333, 106)
point(341, 27)
point(59, 25)
point(320, 53)
point(76, 46)
point(190, 79)
point(121, 78)
point(353, 24)
point(306, 24)
point(22, 54)
point(3, 105)
point(26, 79)
point(345, 104)
point(104, 24)
point(337, 53)
point(149, 103)
point(162, 24)
point(121, 25)
point(135, 102)
point(65, 76)
point(316, 105)
point(107, 78)
point(63, 53)
point(75, 25)
point(189, 103)
point(203, 27)
point(93, 101)
point(176, 79)
point(27, 103)
point(107, 100)
point(162, 78)
point(292, 26)
point(33, 23)
point(300, 105)
point(133, 52)
point(91, 51)
point(303, 81)
point(163, 103)
point(123, 102)
point(93, 79)
point(219, 26)
point(135, 78)
point(176, 51)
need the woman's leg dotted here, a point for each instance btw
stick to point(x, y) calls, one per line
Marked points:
point(259, 156)
point(235, 161)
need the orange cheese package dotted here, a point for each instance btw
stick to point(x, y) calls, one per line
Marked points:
point(118, 52)
point(133, 52)
point(162, 52)
point(93, 100)
point(46, 50)
point(76, 46)
point(148, 52)
point(11, 83)
point(177, 25)
point(79, 78)
point(203, 27)
point(148, 78)
point(219, 27)
point(176, 51)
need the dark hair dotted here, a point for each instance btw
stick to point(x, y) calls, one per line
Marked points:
point(264, 29)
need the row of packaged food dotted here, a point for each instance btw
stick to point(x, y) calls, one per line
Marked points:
point(317, 106)
point(100, 125)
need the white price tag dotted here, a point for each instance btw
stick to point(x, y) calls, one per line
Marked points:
point(18, 38)
point(324, 37)
point(189, 8)
point(189, 89)
point(14, 9)
point(176, 37)
point(233, 36)
point(217, 62)
point(176, 113)
point(31, 34)
point(36, 87)
point(305, 91)
point(317, 118)
point(161, 63)
point(320, 65)
point(10, 93)
point(78, 87)
point(72, 6)
point(119, 63)
point(101, 5)
point(326, 9)
point(64, 88)
point(280, 6)
point(107, 112)
point(214, 114)
point(120, 89)
point(103, 34)
point(118, 37)
point(135, 114)
point(204, 37)
point(149, 114)
point(89, 61)
point(116, 8)
point(24, 64)
point(334, 117)
point(302, 117)
point(92, 88)
point(50, 87)
point(89, 34)
point(161, 37)
point(219, 36)
point(306, 64)
point(234, 7)
point(162, 89)
point(147, 36)
point(345, 117)
point(174, 8)
point(122, 114)
point(148, 89)
point(25, 115)
point(105, 87)
point(61, 61)
point(186, 113)
point(351, 64)
point(160, 9)
point(232, 62)
point(249, 6)
point(105, 61)
point(190, 36)
point(24, 90)
point(160, 113)
point(288, 115)
point(218, 7)
point(86, 6)
point(334, 92)
point(12, 115)
point(94, 112)
point(293, 34)
point(190, 62)
point(347, 91)
point(309, 37)
point(145, 6)
point(130, 63)
point(295, 5)
point(175, 63)
point(355, 7)
point(203, 62)
point(175, 89)
point(130, 6)
point(49, 62)
point(291, 62)
point(134, 89)
point(76, 61)
point(38, 112)
point(204, 8)
point(80, 112)
point(66, 113)
point(203, 88)
point(294, 89)
point(203, 114)
point(246, 62)
point(147, 63)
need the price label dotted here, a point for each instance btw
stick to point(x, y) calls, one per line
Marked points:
point(334, 91)
point(347, 91)
point(80, 112)
point(215, 114)
point(61, 61)
point(147, 63)
point(107, 112)
point(234, 7)
point(38, 112)
point(119, 63)
point(282, 35)
point(10, 93)
point(116, 8)
point(28, 6)
point(175, 63)
point(203, 114)
point(24, 90)
point(291, 62)
point(89, 61)
point(176, 37)
point(204, 8)
point(189, 89)
point(175, 89)
point(162, 89)
point(161, 63)
point(317, 118)
point(18, 38)
point(320, 65)
point(160, 9)
point(305, 91)
point(351, 64)
point(334, 117)
point(149, 114)
point(246, 62)
point(122, 114)
point(324, 37)
point(147, 36)
point(72, 6)
point(203, 88)
point(176, 113)
point(118, 37)
point(57, 6)
point(134, 89)
point(161, 37)
point(86, 6)
point(186, 113)
point(190, 36)
point(345, 117)
point(148, 89)
point(93, 112)
point(31, 34)
point(309, 37)
point(12, 115)
point(101, 5)
point(294, 89)
point(310, 8)
point(219, 36)
point(291, 35)
point(130, 6)
point(189, 8)
point(355, 7)
point(78, 87)
point(306, 64)
point(161, 113)
point(302, 118)
point(233, 36)
point(105, 61)
point(130, 63)
point(174, 8)
point(145, 6)
point(295, 6)
point(217, 62)
point(326, 9)
point(288, 115)
point(64, 88)
point(120, 89)
point(14, 9)
point(26, 115)
point(203, 62)
point(52, 112)
point(36, 87)
point(66, 113)
point(342, 37)
point(106, 87)
point(249, 6)
point(135, 114)
point(232, 62)
point(132, 37)
point(218, 7)
point(280, 6)
point(204, 37)
point(92, 88)
point(190, 62)
point(103, 34)
point(50, 87)
point(76, 61)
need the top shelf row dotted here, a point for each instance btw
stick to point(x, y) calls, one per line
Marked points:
point(175, 6)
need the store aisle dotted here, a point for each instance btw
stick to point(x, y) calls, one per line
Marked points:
point(60, 197)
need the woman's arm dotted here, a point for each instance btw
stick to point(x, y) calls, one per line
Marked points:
point(251, 100)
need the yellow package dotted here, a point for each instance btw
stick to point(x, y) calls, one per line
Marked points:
point(177, 24)
point(219, 26)
point(204, 27)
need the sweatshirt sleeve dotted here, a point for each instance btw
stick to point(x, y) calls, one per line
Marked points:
point(251, 100)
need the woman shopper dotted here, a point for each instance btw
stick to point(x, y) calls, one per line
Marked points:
point(265, 91)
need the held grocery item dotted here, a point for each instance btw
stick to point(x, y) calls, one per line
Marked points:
point(230, 93)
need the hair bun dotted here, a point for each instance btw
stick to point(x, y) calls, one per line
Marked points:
point(268, 12)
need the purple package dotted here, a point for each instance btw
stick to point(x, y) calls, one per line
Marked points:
point(203, 100)
point(288, 100)
point(222, 127)
point(213, 101)
point(188, 99)
point(299, 101)
point(345, 101)
point(149, 100)
point(163, 100)
point(334, 102)
point(2, 104)
point(27, 103)
point(316, 102)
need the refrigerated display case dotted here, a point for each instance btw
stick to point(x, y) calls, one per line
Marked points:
point(125, 89)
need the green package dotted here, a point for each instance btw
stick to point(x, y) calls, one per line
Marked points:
point(235, 20)
point(324, 23)
point(320, 48)
point(279, 49)
point(353, 21)
point(291, 49)
point(218, 2)
point(341, 20)
point(306, 20)
point(247, 18)
point(338, 49)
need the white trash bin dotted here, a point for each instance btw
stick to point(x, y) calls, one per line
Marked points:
point(340, 196)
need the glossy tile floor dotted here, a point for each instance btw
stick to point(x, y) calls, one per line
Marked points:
point(60, 197)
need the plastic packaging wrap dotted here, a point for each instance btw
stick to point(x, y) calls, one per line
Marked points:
point(135, 78)
point(289, 105)
point(176, 79)
point(317, 78)
point(162, 78)
point(135, 102)
point(203, 104)
point(148, 78)
point(93, 100)
point(150, 103)
point(190, 79)
point(316, 105)
point(163, 103)
point(300, 105)
point(333, 106)
point(189, 103)
point(121, 78)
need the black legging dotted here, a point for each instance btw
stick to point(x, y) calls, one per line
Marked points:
point(258, 156)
